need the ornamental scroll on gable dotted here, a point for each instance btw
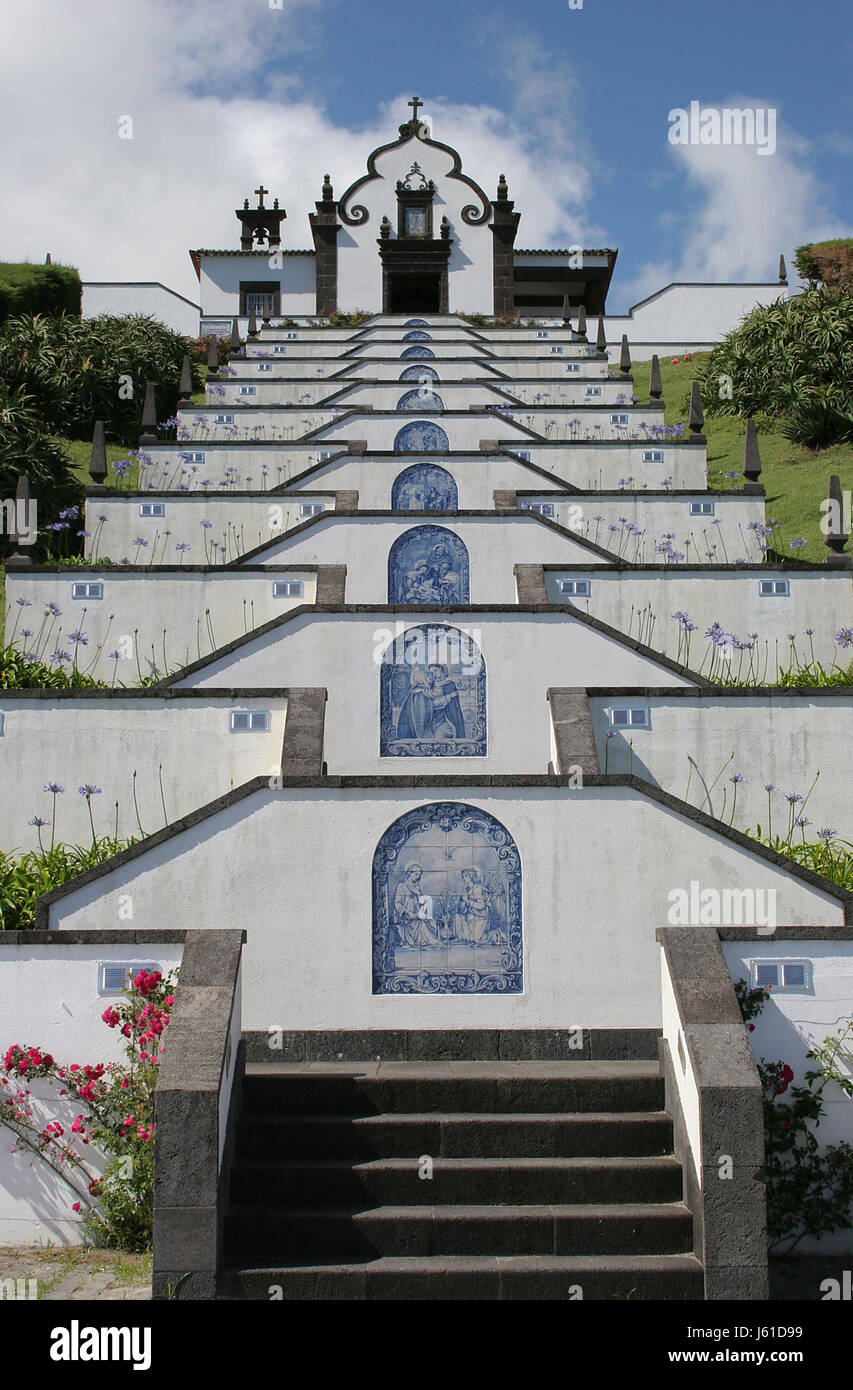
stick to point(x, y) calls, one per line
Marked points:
point(414, 167)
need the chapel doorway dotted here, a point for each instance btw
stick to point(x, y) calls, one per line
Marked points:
point(414, 293)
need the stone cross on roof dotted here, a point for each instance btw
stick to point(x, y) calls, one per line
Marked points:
point(260, 192)
point(415, 103)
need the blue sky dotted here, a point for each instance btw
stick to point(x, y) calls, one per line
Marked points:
point(572, 104)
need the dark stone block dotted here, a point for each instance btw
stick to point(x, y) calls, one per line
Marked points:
point(185, 1238)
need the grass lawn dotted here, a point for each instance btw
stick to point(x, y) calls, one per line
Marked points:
point(795, 479)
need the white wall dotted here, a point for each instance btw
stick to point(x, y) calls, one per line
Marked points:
point(49, 998)
point(220, 276)
point(819, 599)
point(125, 747)
point(238, 523)
point(780, 739)
point(170, 615)
point(129, 297)
point(590, 956)
point(790, 1024)
point(524, 655)
point(687, 317)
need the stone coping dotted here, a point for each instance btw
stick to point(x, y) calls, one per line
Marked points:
point(441, 781)
point(723, 692)
point(135, 693)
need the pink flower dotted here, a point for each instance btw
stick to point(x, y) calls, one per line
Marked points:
point(75, 1206)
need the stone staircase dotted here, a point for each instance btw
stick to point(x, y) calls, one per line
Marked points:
point(550, 1180)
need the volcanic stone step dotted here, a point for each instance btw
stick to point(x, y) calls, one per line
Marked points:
point(397, 1182)
point(261, 1138)
point(381, 1088)
point(635, 1277)
point(339, 1235)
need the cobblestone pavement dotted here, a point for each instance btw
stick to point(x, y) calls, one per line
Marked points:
point(72, 1272)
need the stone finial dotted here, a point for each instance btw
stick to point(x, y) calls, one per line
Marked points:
point(601, 336)
point(149, 416)
point(582, 322)
point(444, 229)
point(185, 388)
point(783, 271)
point(17, 559)
point(253, 324)
point(625, 357)
point(835, 537)
point(655, 383)
point(385, 228)
point(47, 259)
point(503, 188)
point(98, 458)
point(567, 312)
point(212, 355)
point(328, 190)
point(696, 418)
point(751, 457)
point(235, 336)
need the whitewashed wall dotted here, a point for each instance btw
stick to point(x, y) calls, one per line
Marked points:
point(49, 998)
point(170, 615)
point(687, 317)
point(819, 599)
point(220, 276)
point(524, 655)
point(126, 747)
point(128, 297)
point(495, 545)
point(238, 523)
point(590, 956)
point(470, 265)
point(783, 740)
point(792, 1023)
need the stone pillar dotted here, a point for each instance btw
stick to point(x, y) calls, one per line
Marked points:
point(503, 228)
point(324, 229)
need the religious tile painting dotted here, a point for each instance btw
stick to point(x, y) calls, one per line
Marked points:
point(428, 565)
point(417, 351)
point(447, 904)
point(417, 337)
point(421, 437)
point(432, 695)
point(423, 399)
point(416, 323)
point(422, 374)
point(424, 488)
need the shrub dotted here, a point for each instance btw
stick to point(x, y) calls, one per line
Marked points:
point(791, 360)
point(38, 289)
point(118, 1119)
point(25, 878)
point(26, 446)
point(827, 262)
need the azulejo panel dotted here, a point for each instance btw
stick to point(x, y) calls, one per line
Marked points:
point(416, 323)
point(421, 437)
point(432, 697)
point(422, 374)
point(424, 488)
point(447, 904)
point(428, 565)
point(417, 352)
point(423, 399)
point(417, 337)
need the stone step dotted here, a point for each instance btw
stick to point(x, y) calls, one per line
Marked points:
point(263, 1137)
point(517, 1277)
point(381, 1088)
point(342, 1234)
point(397, 1182)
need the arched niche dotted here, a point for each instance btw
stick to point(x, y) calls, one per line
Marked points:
point(416, 323)
point(447, 904)
point(417, 337)
point(421, 437)
point(424, 488)
point(429, 565)
point(417, 351)
point(432, 695)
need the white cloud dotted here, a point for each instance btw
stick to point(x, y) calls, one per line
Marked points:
point(739, 211)
point(207, 126)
